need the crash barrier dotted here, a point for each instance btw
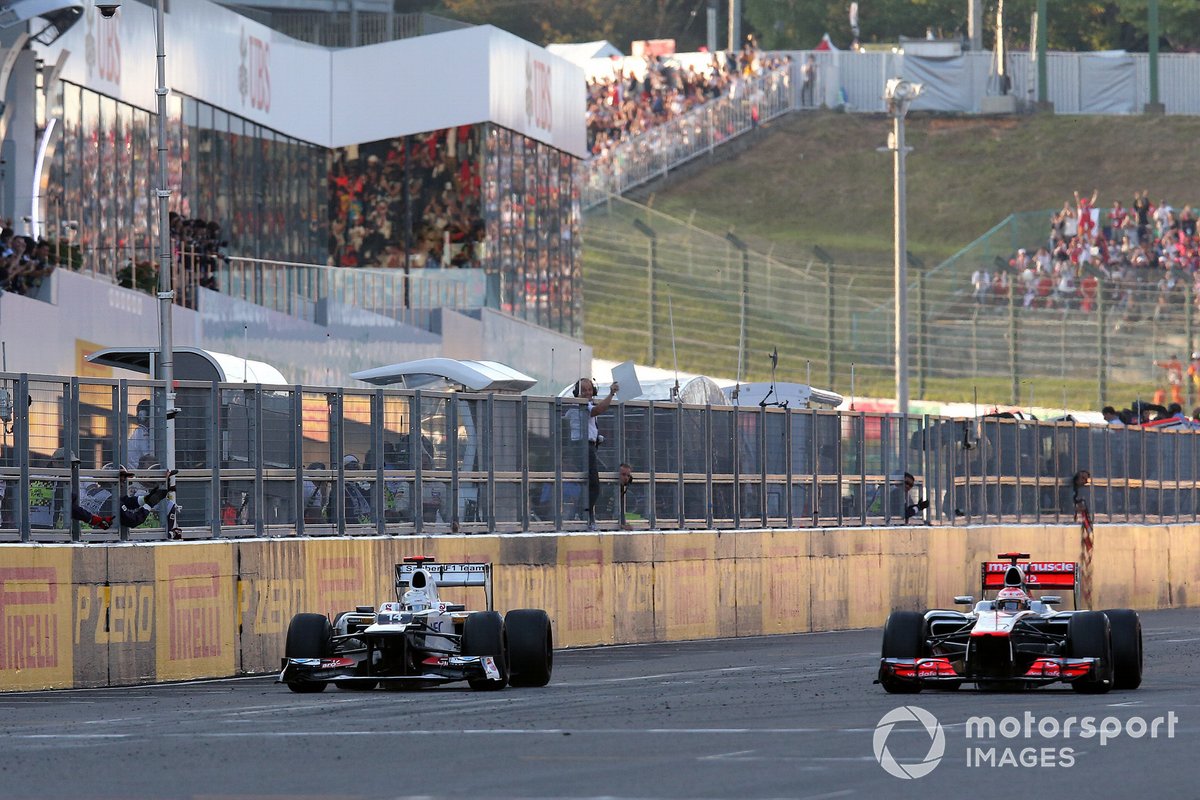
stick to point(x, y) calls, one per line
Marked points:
point(134, 613)
point(262, 461)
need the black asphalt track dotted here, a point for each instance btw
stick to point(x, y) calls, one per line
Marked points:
point(769, 717)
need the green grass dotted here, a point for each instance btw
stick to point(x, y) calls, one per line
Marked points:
point(816, 179)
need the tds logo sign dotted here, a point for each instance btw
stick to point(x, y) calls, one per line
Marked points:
point(539, 105)
point(254, 74)
point(102, 48)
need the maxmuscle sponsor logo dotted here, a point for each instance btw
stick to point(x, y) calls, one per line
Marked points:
point(1011, 741)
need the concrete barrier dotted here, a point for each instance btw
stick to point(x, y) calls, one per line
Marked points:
point(97, 615)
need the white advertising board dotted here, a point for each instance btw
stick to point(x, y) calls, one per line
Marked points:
point(328, 97)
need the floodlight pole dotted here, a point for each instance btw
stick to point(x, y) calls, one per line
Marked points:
point(901, 270)
point(899, 94)
point(166, 294)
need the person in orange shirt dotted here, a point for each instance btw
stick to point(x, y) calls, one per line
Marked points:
point(1174, 381)
point(1194, 371)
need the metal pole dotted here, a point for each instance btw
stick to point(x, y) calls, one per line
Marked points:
point(1152, 25)
point(901, 270)
point(1040, 44)
point(166, 295)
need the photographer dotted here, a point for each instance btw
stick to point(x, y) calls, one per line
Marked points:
point(584, 388)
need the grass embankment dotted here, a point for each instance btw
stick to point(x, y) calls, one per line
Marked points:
point(817, 180)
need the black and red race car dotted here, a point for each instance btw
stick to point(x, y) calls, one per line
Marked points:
point(1014, 639)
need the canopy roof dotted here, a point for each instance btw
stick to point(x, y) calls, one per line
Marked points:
point(192, 364)
point(442, 373)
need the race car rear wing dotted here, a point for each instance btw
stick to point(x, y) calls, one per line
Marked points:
point(1032, 575)
point(450, 574)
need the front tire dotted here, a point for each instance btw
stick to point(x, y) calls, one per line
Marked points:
point(484, 635)
point(1088, 637)
point(530, 647)
point(309, 636)
point(903, 637)
point(1126, 633)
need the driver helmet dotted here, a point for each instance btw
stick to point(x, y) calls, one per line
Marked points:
point(1011, 600)
point(416, 600)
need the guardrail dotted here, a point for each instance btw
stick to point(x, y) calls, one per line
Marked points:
point(252, 457)
point(300, 290)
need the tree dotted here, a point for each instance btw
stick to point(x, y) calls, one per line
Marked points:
point(618, 21)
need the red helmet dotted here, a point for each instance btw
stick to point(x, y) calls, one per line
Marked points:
point(1011, 600)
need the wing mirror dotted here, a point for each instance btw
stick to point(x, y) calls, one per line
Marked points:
point(963, 600)
point(1051, 599)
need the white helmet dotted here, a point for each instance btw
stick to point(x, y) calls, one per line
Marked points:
point(416, 600)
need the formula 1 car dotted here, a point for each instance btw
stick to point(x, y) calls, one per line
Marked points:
point(1014, 640)
point(420, 640)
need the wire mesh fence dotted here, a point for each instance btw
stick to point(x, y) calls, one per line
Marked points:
point(80, 462)
point(663, 291)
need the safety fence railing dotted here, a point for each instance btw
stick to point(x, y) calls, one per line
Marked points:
point(259, 460)
point(651, 154)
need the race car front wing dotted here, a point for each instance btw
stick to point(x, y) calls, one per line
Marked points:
point(434, 670)
point(939, 669)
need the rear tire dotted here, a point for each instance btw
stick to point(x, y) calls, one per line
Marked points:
point(484, 635)
point(530, 647)
point(903, 637)
point(1126, 633)
point(1088, 637)
point(309, 636)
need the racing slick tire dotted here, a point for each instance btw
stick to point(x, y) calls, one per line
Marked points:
point(1126, 632)
point(903, 637)
point(484, 635)
point(530, 647)
point(309, 636)
point(1088, 637)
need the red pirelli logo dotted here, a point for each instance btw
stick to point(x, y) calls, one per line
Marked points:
point(194, 611)
point(28, 618)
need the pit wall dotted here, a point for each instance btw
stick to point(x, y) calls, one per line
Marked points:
point(102, 615)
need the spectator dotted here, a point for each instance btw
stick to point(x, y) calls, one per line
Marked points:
point(1112, 417)
point(1174, 377)
point(316, 496)
point(358, 504)
point(981, 280)
point(140, 445)
point(808, 81)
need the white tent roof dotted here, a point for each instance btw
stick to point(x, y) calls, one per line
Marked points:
point(444, 373)
point(796, 395)
point(192, 364)
point(582, 52)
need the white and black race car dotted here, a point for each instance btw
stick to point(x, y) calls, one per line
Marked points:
point(1014, 640)
point(420, 640)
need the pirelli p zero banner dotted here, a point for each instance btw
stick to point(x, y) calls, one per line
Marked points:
point(96, 615)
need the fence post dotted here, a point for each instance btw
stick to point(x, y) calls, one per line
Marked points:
point(70, 451)
point(1102, 340)
point(1189, 297)
point(379, 496)
point(524, 455)
point(297, 456)
point(922, 332)
point(1013, 345)
point(651, 266)
point(830, 324)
